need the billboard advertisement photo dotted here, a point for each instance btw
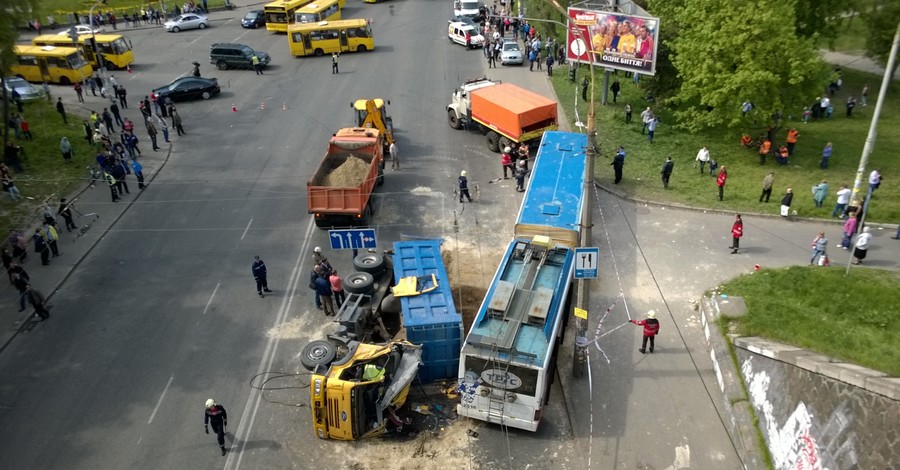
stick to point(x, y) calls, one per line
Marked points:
point(613, 40)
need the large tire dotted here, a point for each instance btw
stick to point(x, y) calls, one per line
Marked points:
point(359, 283)
point(504, 142)
point(371, 263)
point(65, 81)
point(323, 223)
point(380, 178)
point(453, 120)
point(493, 141)
point(319, 52)
point(391, 304)
point(361, 48)
point(318, 354)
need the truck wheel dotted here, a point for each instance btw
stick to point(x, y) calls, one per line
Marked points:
point(493, 141)
point(453, 120)
point(504, 142)
point(322, 223)
point(318, 354)
point(371, 263)
point(359, 283)
point(380, 179)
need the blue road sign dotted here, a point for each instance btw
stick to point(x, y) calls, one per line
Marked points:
point(586, 261)
point(352, 238)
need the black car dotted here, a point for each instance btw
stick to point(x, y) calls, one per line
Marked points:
point(254, 19)
point(189, 88)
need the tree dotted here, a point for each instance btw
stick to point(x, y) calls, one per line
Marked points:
point(730, 51)
point(882, 20)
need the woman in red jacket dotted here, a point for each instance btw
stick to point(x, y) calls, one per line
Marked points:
point(737, 231)
point(720, 182)
point(651, 329)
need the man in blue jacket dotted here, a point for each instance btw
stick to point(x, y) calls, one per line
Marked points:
point(259, 273)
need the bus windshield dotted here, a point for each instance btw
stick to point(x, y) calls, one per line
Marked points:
point(74, 61)
point(307, 17)
point(119, 46)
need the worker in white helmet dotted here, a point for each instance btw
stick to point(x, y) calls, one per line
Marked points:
point(651, 329)
point(464, 187)
point(216, 415)
point(320, 260)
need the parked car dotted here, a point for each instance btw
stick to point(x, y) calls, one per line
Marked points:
point(25, 90)
point(465, 34)
point(254, 19)
point(189, 88)
point(512, 53)
point(186, 21)
point(83, 29)
point(225, 55)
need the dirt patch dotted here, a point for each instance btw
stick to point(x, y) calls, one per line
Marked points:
point(470, 269)
point(299, 328)
point(350, 174)
point(447, 447)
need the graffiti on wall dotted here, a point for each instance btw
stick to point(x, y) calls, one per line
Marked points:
point(802, 442)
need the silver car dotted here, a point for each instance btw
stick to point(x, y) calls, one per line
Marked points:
point(186, 21)
point(25, 90)
point(512, 53)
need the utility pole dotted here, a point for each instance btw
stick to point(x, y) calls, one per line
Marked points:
point(873, 131)
point(109, 92)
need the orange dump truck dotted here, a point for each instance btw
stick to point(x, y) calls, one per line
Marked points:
point(339, 194)
point(504, 112)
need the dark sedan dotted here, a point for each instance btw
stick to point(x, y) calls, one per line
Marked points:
point(254, 19)
point(189, 88)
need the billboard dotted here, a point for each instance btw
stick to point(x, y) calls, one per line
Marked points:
point(623, 42)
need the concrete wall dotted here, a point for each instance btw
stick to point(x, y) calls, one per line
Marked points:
point(816, 413)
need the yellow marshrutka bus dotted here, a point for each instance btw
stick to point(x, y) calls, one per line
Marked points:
point(326, 37)
point(280, 14)
point(319, 10)
point(115, 48)
point(50, 64)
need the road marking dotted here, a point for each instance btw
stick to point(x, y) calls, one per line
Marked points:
point(139, 440)
point(248, 228)
point(209, 302)
point(172, 377)
point(248, 416)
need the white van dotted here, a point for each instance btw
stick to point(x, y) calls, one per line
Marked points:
point(465, 34)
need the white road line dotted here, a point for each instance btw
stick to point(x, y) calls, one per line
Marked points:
point(209, 302)
point(248, 416)
point(246, 229)
point(139, 440)
point(172, 377)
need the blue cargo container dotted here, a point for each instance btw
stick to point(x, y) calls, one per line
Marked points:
point(430, 319)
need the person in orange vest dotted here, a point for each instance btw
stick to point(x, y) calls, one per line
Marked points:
point(791, 140)
point(720, 182)
point(764, 149)
point(783, 155)
point(746, 140)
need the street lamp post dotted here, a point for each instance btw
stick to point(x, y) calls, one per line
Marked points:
point(100, 58)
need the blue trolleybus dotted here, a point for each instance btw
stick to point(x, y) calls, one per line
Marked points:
point(509, 356)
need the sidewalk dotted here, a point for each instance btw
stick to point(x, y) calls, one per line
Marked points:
point(72, 247)
point(855, 62)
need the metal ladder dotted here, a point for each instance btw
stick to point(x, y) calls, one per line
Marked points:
point(497, 402)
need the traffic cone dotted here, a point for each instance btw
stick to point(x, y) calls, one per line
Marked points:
point(284, 106)
point(128, 68)
point(262, 105)
point(233, 108)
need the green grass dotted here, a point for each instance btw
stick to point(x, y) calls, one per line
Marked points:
point(46, 176)
point(60, 8)
point(745, 175)
point(850, 318)
point(851, 37)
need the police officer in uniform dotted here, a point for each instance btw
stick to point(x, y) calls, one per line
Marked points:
point(464, 187)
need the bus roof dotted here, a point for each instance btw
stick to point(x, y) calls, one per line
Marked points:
point(520, 314)
point(44, 50)
point(286, 4)
point(328, 24)
point(316, 5)
point(57, 39)
point(555, 195)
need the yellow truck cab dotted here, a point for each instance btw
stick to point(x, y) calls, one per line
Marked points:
point(356, 397)
point(373, 113)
